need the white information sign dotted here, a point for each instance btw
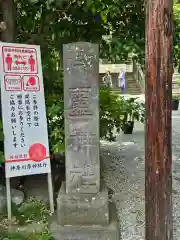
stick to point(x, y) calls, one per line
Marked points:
point(23, 110)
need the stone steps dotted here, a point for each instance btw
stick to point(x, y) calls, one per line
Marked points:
point(131, 84)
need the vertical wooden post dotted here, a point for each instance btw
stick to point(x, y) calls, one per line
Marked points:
point(158, 149)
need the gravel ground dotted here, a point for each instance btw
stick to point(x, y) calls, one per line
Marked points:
point(123, 171)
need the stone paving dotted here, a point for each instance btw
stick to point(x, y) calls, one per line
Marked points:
point(123, 171)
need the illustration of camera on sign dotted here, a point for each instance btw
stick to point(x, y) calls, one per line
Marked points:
point(31, 83)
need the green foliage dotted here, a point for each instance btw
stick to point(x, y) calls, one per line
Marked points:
point(55, 117)
point(176, 97)
point(31, 211)
point(110, 111)
point(176, 47)
point(132, 110)
point(26, 236)
point(52, 23)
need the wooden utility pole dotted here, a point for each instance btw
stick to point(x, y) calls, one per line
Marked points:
point(158, 152)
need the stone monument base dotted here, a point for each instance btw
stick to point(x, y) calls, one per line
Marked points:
point(83, 209)
point(94, 232)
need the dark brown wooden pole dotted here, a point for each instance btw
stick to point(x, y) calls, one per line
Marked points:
point(158, 149)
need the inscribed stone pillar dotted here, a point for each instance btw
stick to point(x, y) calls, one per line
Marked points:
point(83, 211)
point(81, 112)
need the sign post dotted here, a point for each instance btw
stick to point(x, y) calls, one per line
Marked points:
point(158, 149)
point(24, 116)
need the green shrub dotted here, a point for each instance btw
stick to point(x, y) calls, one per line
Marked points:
point(109, 118)
point(175, 97)
point(131, 110)
point(110, 112)
point(55, 118)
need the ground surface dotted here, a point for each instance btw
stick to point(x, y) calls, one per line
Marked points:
point(123, 171)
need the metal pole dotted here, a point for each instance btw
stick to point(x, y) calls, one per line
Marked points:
point(158, 146)
point(8, 195)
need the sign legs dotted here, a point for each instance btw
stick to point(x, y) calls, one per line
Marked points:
point(50, 190)
point(8, 195)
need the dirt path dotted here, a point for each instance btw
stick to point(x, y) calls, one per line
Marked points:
point(123, 171)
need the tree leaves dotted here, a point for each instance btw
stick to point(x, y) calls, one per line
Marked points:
point(89, 3)
point(88, 20)
point(176, 49)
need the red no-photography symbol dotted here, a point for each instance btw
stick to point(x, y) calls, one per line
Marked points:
point(37, 152)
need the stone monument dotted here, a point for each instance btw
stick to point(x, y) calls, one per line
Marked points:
point(83, 209)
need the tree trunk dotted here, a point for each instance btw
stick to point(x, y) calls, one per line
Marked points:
point(8, 12)
point(158, 154)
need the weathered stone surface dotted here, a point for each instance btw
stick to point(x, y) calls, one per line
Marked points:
point(82, 206)
point(16, 196)
point(83, 209)
point(94, 232)
point(81, 111)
